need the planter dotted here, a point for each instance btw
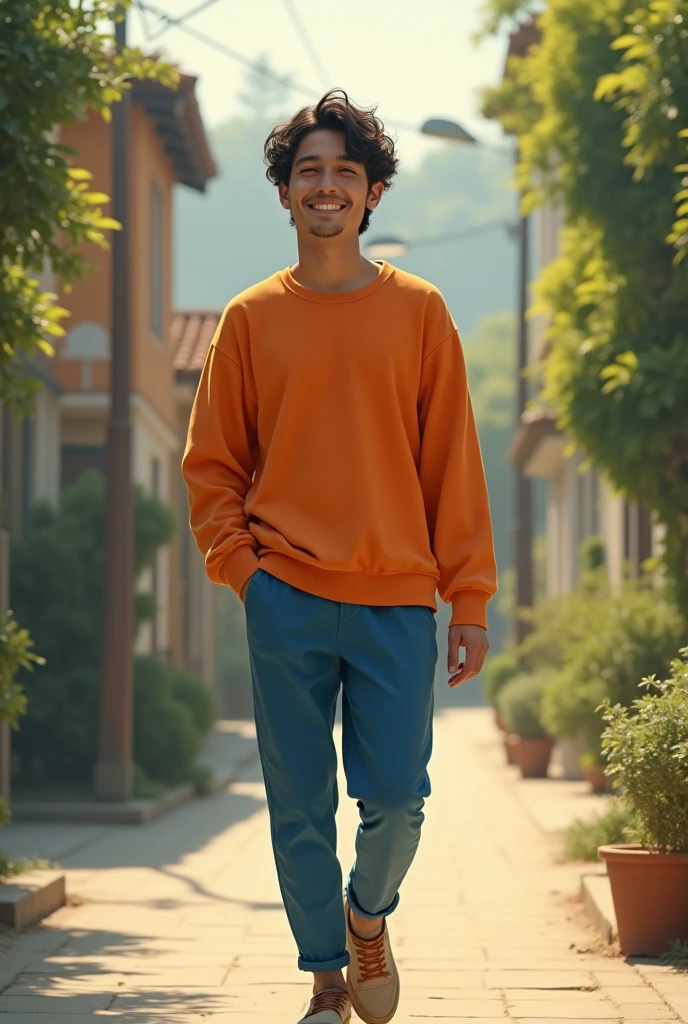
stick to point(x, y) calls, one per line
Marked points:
point(570, 753)
point(594, 773)
point(650, 892)
point(532, 756)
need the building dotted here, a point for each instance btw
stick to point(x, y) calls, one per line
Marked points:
point(191, 332)
point(67, 434)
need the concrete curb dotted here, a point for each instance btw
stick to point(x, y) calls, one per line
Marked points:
point(30, 897)
point(131, 812)
point(599, 905)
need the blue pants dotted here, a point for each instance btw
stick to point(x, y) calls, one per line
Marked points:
point(303, 648)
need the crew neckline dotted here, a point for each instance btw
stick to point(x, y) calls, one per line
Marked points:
point(311, 295)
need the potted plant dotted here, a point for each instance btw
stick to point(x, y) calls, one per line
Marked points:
point(520, 704)
point(593, 767)
point(498, 671)
point(646, 747)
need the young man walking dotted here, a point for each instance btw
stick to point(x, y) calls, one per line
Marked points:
point(336, 483)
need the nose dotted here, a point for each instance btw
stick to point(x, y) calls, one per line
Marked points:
point(327, 182)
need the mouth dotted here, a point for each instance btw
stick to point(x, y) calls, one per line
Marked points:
point(327, 207)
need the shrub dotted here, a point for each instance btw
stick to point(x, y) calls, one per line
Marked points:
point(646, 747)
point(519, 704)
point(582, 838)
point(166, 740)
point(499, 670)
point(612, 641)
point(195, 695)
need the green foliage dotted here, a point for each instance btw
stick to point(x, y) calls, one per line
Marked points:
point(599, 137)
point(593, 554)
point(57, 62)
point(145, 788)
point(195, 695)
point(202, 777)
point(646, 747)
point(651, 88)
point(602, 644)
point(520, 702)
point(677, 956)
point(500, 669)
point(16, 652)
point(57, 588)
point(10, 867)
point(166, 740)
point(57, 570)
point(582, 838)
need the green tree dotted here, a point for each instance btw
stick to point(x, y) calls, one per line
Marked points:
point(57, 62)
point(616, 371)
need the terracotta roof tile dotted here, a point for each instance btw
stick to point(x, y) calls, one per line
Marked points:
point(191, 332)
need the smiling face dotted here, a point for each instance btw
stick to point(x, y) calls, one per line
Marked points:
point(328, 193)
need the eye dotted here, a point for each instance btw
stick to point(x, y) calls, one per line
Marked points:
point(348, 170)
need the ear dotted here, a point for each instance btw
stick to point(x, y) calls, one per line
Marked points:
point(284, 195)
point(375, 195)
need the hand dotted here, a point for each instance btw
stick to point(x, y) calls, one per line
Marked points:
point(474, 639)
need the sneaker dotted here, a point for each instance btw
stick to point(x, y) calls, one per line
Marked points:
point(372, 975)
point(331, 1006)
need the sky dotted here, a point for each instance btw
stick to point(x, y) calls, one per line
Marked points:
point(413, 59)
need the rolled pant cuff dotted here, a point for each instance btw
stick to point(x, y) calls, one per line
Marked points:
point(358, 909)
point(324, 966)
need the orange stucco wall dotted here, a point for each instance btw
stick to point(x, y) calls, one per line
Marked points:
point(152, 372)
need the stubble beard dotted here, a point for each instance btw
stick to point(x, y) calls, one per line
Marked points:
point(326, 230)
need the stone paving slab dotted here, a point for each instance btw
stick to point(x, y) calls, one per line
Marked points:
point(182, 921)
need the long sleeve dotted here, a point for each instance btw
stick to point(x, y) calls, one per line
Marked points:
point(218, 467)
point(454, 488)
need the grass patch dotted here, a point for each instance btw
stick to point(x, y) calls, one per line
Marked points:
point(677, 956)
point(582, 838)
point(10, 867)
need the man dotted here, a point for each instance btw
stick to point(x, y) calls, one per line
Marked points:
point(335, 482)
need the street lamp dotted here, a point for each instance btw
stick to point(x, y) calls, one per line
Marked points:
point(389, 247)
point(451, 131)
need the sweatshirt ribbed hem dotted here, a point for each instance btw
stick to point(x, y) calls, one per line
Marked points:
point(400, 588)
point(469, 608)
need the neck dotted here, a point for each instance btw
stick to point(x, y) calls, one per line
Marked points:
point(332, 264)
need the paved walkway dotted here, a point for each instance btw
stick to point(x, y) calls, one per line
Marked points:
point(181, 921)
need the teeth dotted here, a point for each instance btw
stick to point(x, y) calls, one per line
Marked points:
point(327, 206)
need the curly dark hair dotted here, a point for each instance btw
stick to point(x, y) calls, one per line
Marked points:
point(366, 141)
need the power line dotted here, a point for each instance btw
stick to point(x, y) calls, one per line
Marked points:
point(227, 51)
point(240, 58)
point(307, 43)
point(172, 22)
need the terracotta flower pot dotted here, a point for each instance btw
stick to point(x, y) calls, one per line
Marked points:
point(531, 755)
point(650, 892)
point(594, 773)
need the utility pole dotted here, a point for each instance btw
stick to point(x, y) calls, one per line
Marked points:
point(114, 768)
point(523, 527)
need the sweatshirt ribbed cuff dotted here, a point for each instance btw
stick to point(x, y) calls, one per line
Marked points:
point(239, 567)
point(469, 608)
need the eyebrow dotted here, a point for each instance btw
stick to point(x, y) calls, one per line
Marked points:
point(307, 159)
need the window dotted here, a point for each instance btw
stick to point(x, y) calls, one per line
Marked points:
point(157, 256)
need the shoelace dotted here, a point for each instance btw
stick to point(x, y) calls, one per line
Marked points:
point(371, 958)
point(329, 999)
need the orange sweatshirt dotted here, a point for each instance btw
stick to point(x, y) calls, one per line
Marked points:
point(332, 442)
